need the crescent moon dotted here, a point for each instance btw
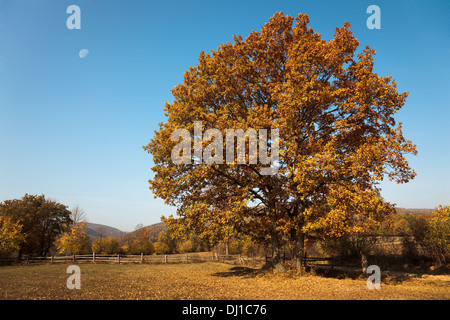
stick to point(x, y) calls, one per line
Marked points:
point(83, 53)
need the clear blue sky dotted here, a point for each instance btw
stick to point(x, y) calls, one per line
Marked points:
point(73, 128)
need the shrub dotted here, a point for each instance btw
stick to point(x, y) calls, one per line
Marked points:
point(108, 245)
point(437, 237)
point(348, 246)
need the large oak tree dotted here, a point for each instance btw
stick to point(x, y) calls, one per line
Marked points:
point(337, 137)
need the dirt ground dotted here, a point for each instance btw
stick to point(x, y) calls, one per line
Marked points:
point(209, 281)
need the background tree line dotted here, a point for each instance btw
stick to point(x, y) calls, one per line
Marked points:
point(35, 226)
point(421, 236)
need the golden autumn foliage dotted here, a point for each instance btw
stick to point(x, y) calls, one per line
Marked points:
point(10, 236)
point(75, 241)
point(440, 226)
point(437, 235)
point(141, 244)
point(337, 137)
point(108, 245)
point(431, 231)
point(42, 221)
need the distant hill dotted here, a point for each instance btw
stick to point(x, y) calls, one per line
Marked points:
point(153, 229)
point(95, 230)
point(414, 211)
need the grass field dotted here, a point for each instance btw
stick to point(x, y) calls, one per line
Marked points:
point(207, 281)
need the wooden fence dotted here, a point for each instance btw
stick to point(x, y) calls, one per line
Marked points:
point(326, 261)
point(161, 259)
point(122, 258)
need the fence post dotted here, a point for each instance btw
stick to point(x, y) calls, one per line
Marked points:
point(305, 256)
point(165, 258)
point(51, 260)
point(142, 257)
point(118, 258)
point(93, 257)
point(73, 258)
point(187, 258)
point(364, 263)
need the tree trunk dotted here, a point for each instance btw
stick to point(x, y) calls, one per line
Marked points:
point(299, 251)
point(275, 248)
point(364, 263)
point(297, 236)
point(274, 238)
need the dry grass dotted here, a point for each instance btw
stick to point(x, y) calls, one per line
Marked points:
point(206, 281)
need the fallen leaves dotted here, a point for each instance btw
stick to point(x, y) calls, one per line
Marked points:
point(201, 281)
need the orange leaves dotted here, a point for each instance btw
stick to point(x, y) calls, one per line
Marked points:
point(338, 137)
point(347, 210)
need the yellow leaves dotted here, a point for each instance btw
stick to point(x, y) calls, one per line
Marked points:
point(75, 241)
point(10, 236)
point(108, 245)
point(439, 225)
point(347, 209)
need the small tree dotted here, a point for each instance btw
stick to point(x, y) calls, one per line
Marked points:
point(77, 215)
point(251, 248)
point(76, 241)
point(187, 245)
point(432, 233)
point(142, 243)
point(108, 245)
point(438, 236)
point(10, 236)
point(162, 247)
point(166, 243)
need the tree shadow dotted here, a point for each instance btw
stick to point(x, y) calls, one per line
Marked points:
point(335, 273)
point(387, 277)
point(243, 272)
point(397, 278)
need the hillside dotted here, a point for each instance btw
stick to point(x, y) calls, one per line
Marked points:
point(95, 230)
point(154, 230)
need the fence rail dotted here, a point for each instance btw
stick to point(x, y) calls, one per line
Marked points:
point(126, 258)
point(159, 259)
